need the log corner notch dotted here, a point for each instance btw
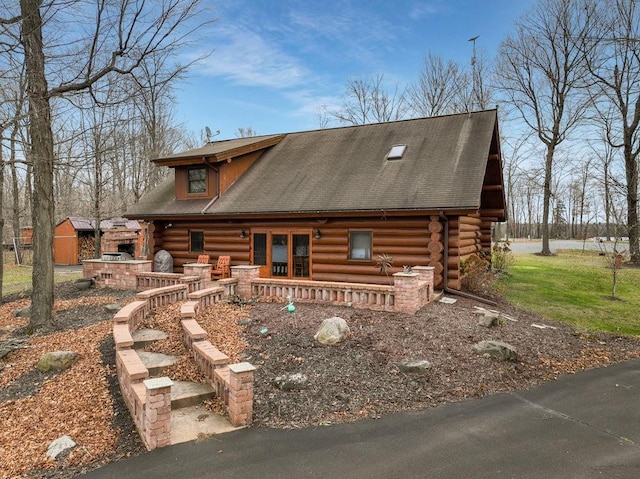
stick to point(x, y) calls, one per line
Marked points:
point(466, 235)
point(436, 250)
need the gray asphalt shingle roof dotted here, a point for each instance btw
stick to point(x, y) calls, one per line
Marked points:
point(345, 169)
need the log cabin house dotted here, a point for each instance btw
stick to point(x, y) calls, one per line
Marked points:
point(325, 205)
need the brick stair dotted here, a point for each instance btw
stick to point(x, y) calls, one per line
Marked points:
point(189, 418)
point(144, 337)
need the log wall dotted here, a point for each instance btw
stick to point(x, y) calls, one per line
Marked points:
point(405, 239)
point(410, 240)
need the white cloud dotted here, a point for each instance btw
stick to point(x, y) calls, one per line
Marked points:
point(420, 10)
point(248, 59)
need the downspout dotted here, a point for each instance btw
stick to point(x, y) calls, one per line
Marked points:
point(445, 288)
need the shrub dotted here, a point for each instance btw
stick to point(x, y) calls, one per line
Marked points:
point(501, 257)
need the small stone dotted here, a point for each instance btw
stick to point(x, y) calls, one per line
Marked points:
point(113, 308)
point(59, 446)
point(56, 361)
point(496, 349)
point(244, 322)
point(420, 366)
point(291, 381)
point(23, 313)
point(489, 319)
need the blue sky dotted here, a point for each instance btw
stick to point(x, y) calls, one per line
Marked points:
point(276, 63)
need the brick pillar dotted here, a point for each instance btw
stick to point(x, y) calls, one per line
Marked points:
point(241, 393)
point(426, 273)
point(406, 292)
point(157, 413)
point(244, 275)
point(201, 270)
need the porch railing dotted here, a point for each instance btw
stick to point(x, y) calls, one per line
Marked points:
point(369, 296)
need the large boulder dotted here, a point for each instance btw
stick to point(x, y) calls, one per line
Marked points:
point(332, 331)
point(56, 361)
point(496, 349)
point(163, 262)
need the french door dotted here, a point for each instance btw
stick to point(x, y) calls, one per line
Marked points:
point(282, 253)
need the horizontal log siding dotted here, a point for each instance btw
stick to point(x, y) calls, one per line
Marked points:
point(405, 239)
point(465, 239)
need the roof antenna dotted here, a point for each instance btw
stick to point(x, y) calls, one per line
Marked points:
point(474, 72)
point(207, 131)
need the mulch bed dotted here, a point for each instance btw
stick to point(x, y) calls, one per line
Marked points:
point(358, 378)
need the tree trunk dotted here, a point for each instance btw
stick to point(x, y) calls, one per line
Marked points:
point(546, 250)
point(16, 210)
point(631, 167)
point(1, 215)
point(42, 157)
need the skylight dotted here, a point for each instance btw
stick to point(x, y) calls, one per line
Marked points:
point(396, 152)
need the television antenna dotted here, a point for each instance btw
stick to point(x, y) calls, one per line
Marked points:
point(473, 57)
point(207, 131)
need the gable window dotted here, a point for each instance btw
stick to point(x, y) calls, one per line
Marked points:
point(197, 180)
point(196, 241)
point(360, 245)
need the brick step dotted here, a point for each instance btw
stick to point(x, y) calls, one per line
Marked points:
point(156, 362)
point(144, 337)
point(185, 394)
point(195, 422)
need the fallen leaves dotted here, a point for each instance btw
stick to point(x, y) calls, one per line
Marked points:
point(76, 402)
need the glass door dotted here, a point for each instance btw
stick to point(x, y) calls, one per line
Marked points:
point(300, 252)
point(280, 255)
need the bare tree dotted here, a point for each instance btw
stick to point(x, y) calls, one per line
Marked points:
point(124, 33)
point(615, 65)
point(541, 72)
point(438, 89)
point(366, 101)
point(246, 132)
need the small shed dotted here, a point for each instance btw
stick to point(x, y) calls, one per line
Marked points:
point(74, 239)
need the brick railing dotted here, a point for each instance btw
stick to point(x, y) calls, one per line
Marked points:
point(233, 383)
point(369, 296)
point(410, 290)
point(145, 281)
point(149, 399)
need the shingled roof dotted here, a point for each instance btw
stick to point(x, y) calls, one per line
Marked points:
point(346, 169)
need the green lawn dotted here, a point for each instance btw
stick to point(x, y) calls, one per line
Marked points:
point(18, 278)
point(575, 287)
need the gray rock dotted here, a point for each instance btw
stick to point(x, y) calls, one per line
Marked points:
point(291, 381)
point(23, 313)
point(332, 331)
point(113, 308)
point(489, 319)
point(163, 262)
point(496, 349)
point(56, 361)
point(59, 446)
point(420, 366)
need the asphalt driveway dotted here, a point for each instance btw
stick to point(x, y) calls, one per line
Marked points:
point(585, 425)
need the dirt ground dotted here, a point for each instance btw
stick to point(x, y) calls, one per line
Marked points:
point(355, 379)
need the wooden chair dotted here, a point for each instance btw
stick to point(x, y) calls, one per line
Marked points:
point(298, 266)
point(222, 268)
point(203, 259)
